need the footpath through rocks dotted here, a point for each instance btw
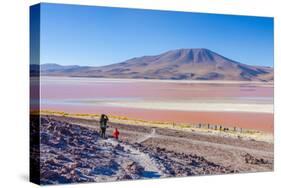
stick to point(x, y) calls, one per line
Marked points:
point(73, 153)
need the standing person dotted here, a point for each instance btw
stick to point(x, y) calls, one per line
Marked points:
point(116, 133)
point(103, 124)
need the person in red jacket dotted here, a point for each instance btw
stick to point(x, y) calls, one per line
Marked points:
point(116, 134)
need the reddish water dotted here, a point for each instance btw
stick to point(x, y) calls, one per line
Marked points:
point(83, 89)
point(54, 91)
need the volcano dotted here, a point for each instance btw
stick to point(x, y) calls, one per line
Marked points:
point(179, 64)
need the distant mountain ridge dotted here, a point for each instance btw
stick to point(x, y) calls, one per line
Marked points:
point(179, 64)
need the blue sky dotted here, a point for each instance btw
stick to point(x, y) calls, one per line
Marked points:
point(96, 36)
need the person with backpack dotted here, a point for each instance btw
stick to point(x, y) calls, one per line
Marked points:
point(103, 124)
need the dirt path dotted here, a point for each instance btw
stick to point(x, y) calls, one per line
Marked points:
point(224, 151)
point(75, 152)
point(217, 145)
point(153, 134)
point(150, 168)
point(146, 137)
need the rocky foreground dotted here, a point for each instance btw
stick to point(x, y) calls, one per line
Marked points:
point(72, 153)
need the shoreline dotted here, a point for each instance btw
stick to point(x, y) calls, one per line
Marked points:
point(196, 106)
point(204, 129)
point(166, 81)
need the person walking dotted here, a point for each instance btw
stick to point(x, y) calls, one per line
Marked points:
point(115, 134)
point(103, 124)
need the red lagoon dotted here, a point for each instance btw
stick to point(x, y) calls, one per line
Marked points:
point(93, 95)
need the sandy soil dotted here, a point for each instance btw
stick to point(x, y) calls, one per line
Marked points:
point(71, 151)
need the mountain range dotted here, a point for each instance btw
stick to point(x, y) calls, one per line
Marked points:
point(179, 64)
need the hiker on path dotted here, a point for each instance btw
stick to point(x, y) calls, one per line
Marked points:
point(115, 134)
point(103, 124)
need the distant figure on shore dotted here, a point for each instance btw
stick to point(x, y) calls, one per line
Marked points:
point(115, 134)
point(103, 124)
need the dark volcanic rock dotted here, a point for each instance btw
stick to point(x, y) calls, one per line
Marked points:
point(134, 168)
point(72, 153)
point(252, 160)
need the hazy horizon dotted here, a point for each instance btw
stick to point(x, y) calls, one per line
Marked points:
point(98, 36)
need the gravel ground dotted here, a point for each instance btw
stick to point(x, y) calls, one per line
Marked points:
point(72, 151)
